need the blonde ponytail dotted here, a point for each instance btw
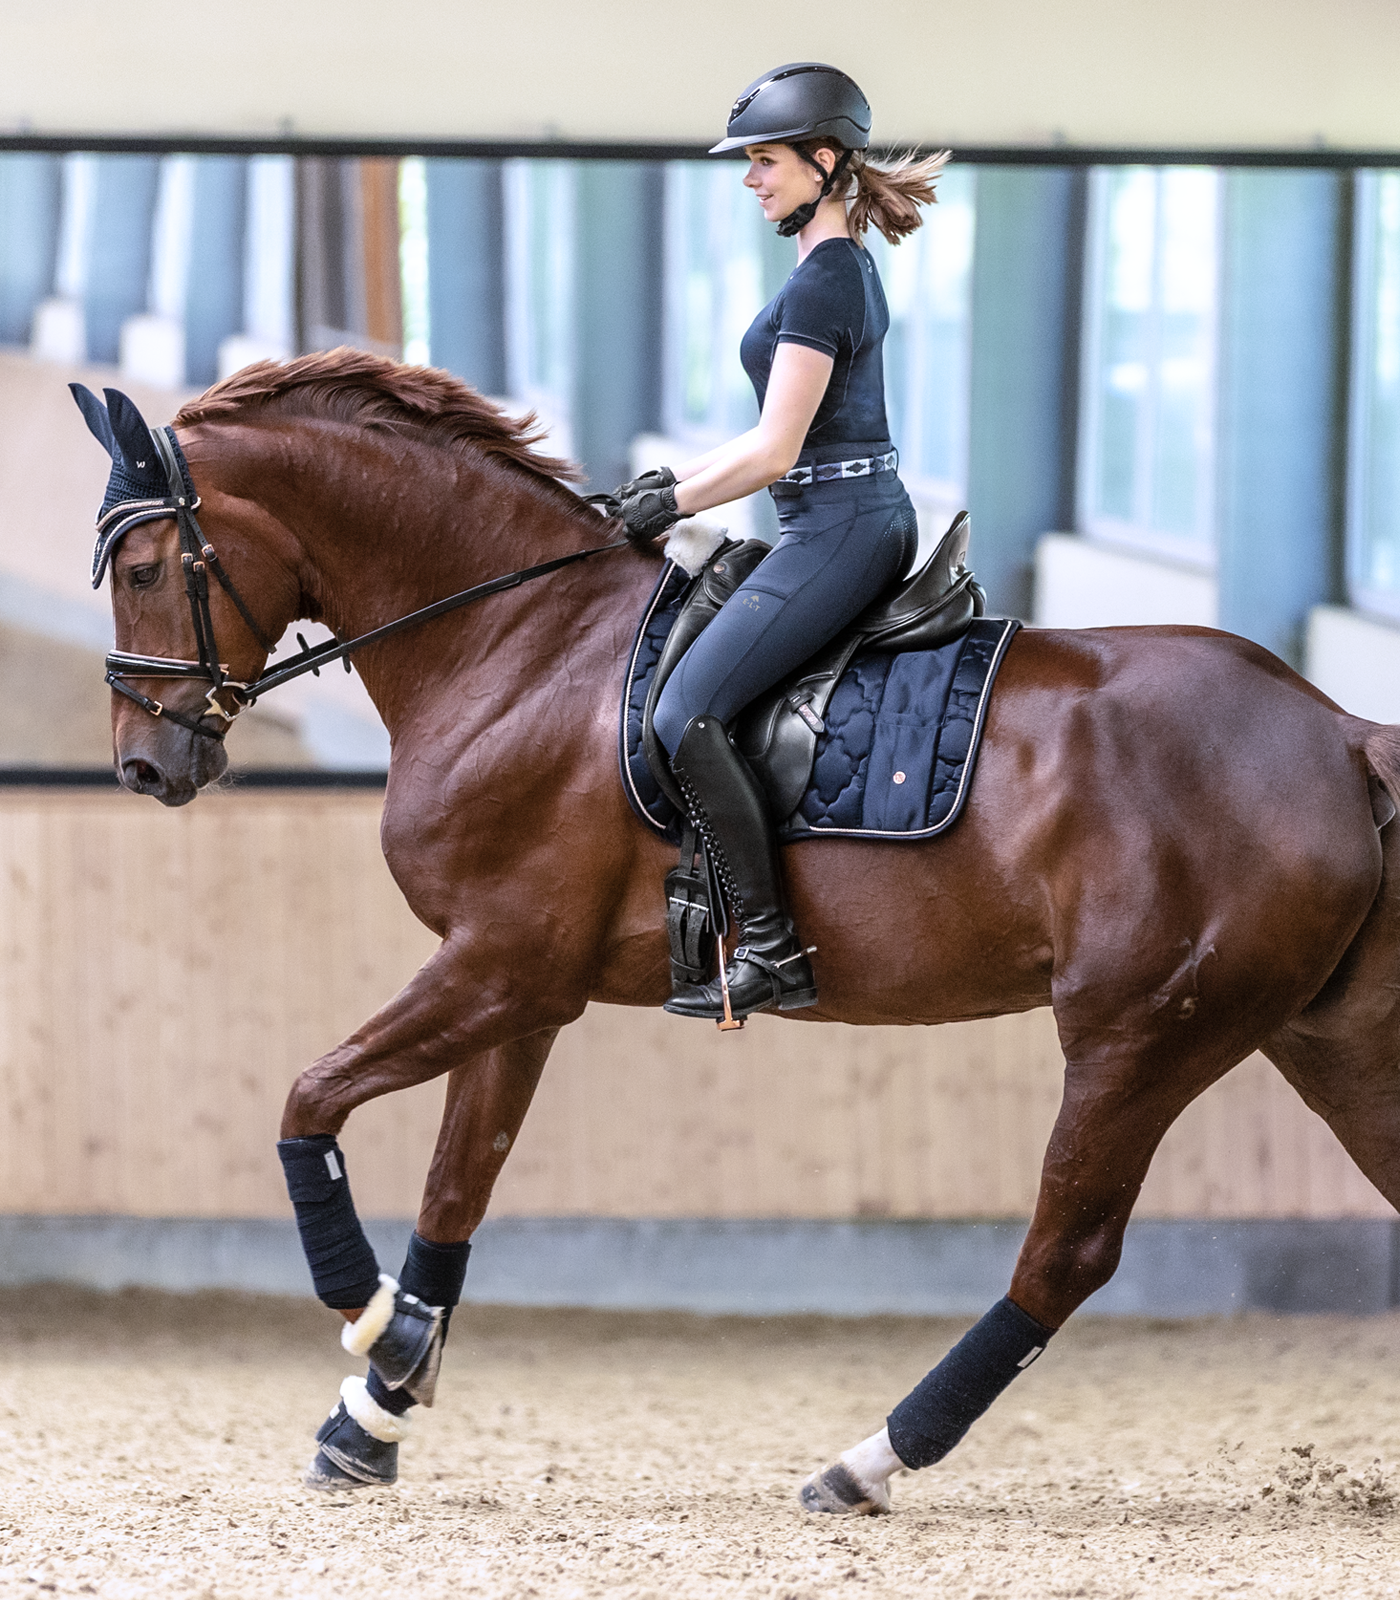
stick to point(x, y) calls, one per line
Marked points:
point(888, 197)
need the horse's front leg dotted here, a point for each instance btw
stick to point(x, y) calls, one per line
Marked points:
point(403, 1329)
point(400, 1323)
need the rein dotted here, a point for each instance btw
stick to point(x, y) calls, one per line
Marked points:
point(198, 559)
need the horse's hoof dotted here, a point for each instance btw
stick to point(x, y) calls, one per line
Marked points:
point(839, 1493)
point(325, 1475)
point(359, 1443)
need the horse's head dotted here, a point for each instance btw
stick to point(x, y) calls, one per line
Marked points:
point(188, 641)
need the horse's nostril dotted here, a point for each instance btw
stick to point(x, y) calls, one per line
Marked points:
point(142, 775)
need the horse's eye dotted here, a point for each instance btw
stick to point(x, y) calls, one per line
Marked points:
point(144, 577)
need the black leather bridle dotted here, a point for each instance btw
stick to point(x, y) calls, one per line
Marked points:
point(198, 559)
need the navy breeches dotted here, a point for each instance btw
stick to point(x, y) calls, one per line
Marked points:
point(843, 544)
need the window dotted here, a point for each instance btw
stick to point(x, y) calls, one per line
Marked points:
point(540, 204)
point(723, 264)
point(413, 258)
point(928, 284)
point(1374, 478)
point(1147, 468)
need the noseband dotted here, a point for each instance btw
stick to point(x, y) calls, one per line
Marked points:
point(198, 559)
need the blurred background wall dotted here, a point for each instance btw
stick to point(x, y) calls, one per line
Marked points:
point(1150, 336)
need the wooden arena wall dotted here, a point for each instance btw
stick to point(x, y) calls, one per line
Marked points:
point(166, 974)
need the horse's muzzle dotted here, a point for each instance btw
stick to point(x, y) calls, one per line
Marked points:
point(168, 763)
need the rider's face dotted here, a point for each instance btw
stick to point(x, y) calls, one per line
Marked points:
point(781, 179)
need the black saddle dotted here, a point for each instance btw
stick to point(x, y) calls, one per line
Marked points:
point(777, 733)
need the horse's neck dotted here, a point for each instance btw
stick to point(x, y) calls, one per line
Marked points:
point(399, 525)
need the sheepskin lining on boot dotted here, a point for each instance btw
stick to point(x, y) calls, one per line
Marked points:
point(357, 1337)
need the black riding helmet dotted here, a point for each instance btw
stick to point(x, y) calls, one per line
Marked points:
point(803, 100)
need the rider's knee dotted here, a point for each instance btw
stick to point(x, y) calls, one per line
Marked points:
point(671, 717)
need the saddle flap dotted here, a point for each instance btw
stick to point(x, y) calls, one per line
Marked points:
point(777, 734)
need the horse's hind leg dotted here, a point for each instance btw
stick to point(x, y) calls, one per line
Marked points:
point(1117, 1105)
point(1342, 1053)
point(486, 1103)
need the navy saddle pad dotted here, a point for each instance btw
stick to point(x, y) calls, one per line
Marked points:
point(896, 754)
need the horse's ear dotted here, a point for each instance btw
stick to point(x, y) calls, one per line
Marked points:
point(95, 415)
point(133, 438)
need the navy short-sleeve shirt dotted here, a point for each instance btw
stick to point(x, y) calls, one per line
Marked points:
point(832, 301)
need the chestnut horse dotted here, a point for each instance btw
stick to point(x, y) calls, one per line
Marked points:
point(1173, 840)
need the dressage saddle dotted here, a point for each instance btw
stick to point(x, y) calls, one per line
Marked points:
point(777, 734)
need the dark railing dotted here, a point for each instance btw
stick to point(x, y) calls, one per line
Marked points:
point(987, 155)
point(17, 777)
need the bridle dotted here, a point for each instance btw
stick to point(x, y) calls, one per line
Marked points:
point(198, 559)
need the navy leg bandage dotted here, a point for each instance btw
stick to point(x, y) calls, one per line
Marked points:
point(927, 1423)
point(343, 1269)
point(435, 1273)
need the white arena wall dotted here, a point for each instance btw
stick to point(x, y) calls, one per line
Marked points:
point(1082, 583)
point(1105, 72)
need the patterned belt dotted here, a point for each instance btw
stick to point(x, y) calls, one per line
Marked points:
point(823, 471)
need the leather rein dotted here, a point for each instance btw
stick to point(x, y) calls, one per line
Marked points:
point(198, 559)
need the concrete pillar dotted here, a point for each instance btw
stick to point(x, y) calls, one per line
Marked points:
point(618, 300)
point(1278, 429)
point(323, 311)
point(119, 250)
point(466, 272)
point(214, 291)
point(1026, 290)
point(30, 194)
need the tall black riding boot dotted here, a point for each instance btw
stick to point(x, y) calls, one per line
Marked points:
point(769, 969)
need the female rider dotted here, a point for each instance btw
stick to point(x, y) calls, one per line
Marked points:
point(822, 448)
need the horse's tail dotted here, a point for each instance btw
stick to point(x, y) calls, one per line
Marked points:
point(1382, 747)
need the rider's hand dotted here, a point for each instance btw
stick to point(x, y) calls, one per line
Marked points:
point(646, 516)
point(657, 478)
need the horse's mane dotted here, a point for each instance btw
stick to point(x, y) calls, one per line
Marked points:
point(355, 387)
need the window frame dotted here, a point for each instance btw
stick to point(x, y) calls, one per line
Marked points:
point(552, 403)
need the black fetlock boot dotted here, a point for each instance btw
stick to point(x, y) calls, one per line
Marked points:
point(769, 970)
point(402, 1338)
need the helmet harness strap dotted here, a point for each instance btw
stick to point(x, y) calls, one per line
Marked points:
point(796, 221)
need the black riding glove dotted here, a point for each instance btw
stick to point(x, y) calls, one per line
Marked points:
point(657, 478)
point(646, 516)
